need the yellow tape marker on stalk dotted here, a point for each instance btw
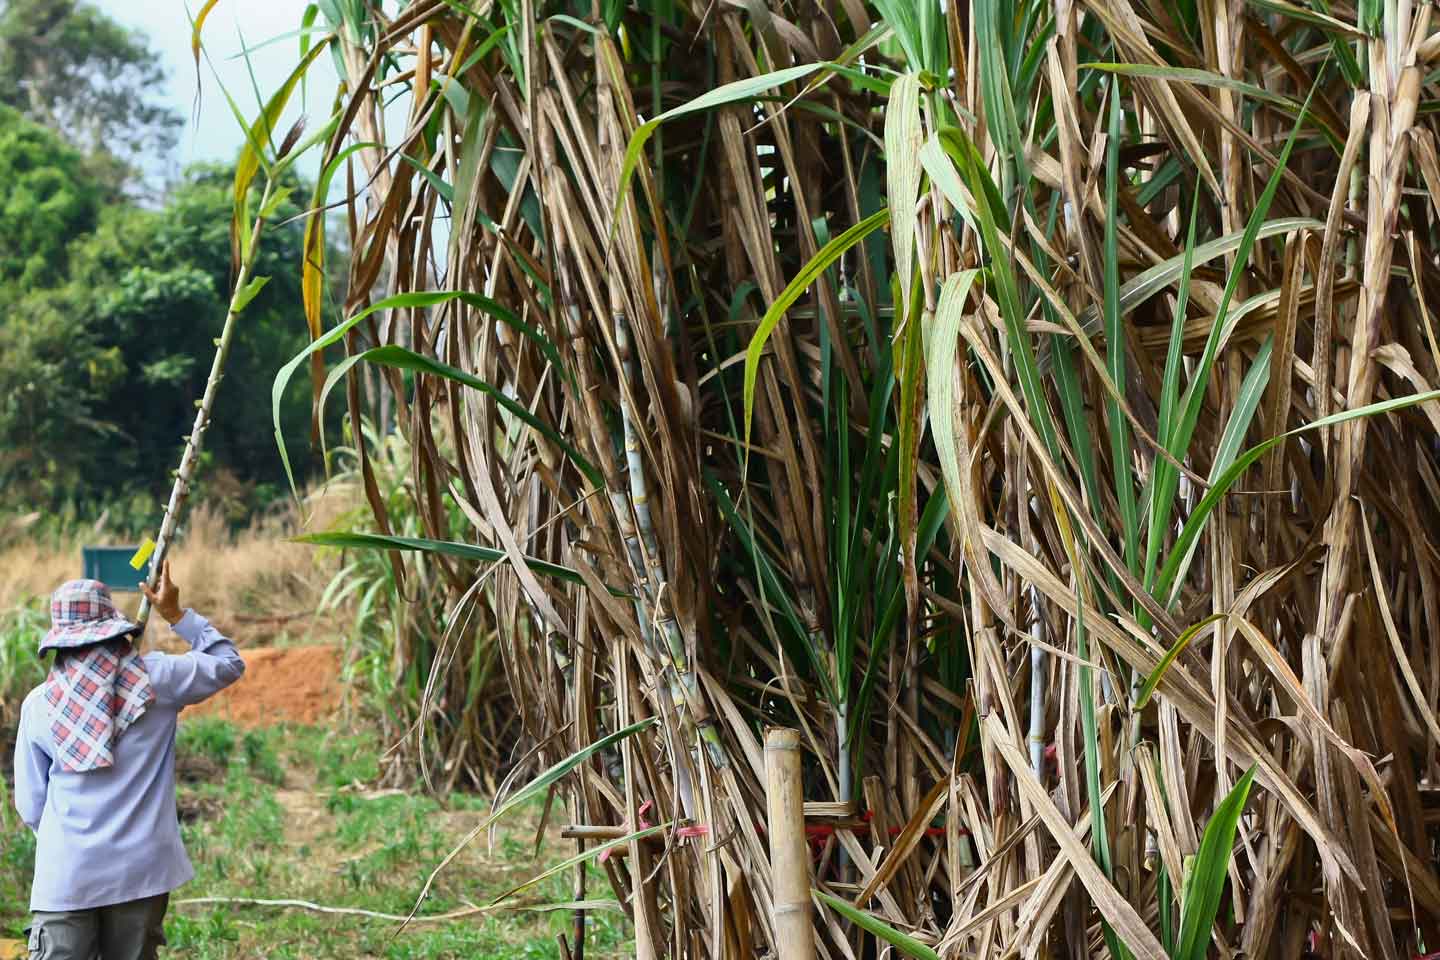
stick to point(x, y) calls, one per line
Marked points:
point(143, 554)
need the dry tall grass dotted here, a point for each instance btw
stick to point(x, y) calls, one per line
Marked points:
point(252, 582)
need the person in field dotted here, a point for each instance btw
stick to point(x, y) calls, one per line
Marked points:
point(95, 772)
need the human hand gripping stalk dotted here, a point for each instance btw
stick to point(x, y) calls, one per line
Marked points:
point(165, 597)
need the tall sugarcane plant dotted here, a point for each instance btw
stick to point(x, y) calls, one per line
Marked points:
point(1032, 403)
point(261, 156)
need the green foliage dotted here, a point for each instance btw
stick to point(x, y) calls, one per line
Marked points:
point(1205, 876)
point(261, 757)
point(100, 370)
point(907, 945)
point(67, 65)
point(208, 737)
point(46, 197)
point(17, 865)
point(21, 627)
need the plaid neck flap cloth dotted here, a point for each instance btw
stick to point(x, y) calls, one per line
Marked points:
point(95, 695)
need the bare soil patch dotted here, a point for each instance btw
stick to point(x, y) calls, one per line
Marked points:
point(281, 685)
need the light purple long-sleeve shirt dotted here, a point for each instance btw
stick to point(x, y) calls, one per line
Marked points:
point(111, 835)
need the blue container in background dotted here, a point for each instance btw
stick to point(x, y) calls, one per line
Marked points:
point(111, 566)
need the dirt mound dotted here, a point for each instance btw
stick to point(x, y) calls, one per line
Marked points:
point(281, 684)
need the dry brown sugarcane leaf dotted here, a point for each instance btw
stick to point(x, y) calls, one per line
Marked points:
point(999, 905)
point(1282, 358)
point(1402, 658)
point(866, 866)
point(1071, 155)
point(1095, 536)
point(1281, 671)
point(1398, 359)
point(1124, 26)
point(1126, 922)
point(1034, 918)
point(905, 844)
point(1157, 805)
point(1330, 251)
point(1193, 700)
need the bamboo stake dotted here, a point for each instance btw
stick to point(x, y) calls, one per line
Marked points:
point(789, 859)
point(240, 296)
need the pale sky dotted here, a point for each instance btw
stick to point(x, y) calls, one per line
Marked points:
point(215, 134)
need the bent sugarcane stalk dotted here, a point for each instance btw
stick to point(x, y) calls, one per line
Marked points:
point(244, 291)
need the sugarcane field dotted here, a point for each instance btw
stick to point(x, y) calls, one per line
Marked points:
point(690, 479)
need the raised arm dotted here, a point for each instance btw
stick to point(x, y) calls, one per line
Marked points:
point(32, 773)
point(212, 664)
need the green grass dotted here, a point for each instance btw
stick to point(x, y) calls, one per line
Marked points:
point(21, 627)
point(289, 818)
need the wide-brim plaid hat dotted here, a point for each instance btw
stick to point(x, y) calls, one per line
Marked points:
point(81, 614)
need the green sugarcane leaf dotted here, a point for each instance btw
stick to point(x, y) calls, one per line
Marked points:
point(872, 924)
point(400, 301)
point(243, 296)
point(277, 197)
point(1203, 78)
point(995, 89)
point(1316, 17)
point(1235, 428)
point(469, 173)
point(1158, 674)
point(535, 787)
point(580, 858)
point(1165, 478)
point(445, 191)
point(257, 134)
point(1011, 311)
point(963, 153)
point(1153, 280)
point(737, 91)
point(1206, 78)
point(335, 376)
point(1197, 520)
point(943, 177)
point(904, 21)
point(940, 385)
point(902, 180)
point(1205, 881)
point(450, 548)
point(403, 359)
point(808, 274)
point(1121, 456)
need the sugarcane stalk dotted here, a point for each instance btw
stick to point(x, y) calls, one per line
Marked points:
point(685, 687)
point(1037, 688)
point(240, 295)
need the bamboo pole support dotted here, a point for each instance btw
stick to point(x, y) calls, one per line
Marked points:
point(789, 859)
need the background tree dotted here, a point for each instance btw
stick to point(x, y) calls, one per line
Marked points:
point(65, 64)
point(101, 362)
point(46, 198)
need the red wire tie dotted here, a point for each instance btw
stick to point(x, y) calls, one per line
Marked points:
point(644, 825)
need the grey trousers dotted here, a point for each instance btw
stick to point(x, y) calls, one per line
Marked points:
point(133, 930)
